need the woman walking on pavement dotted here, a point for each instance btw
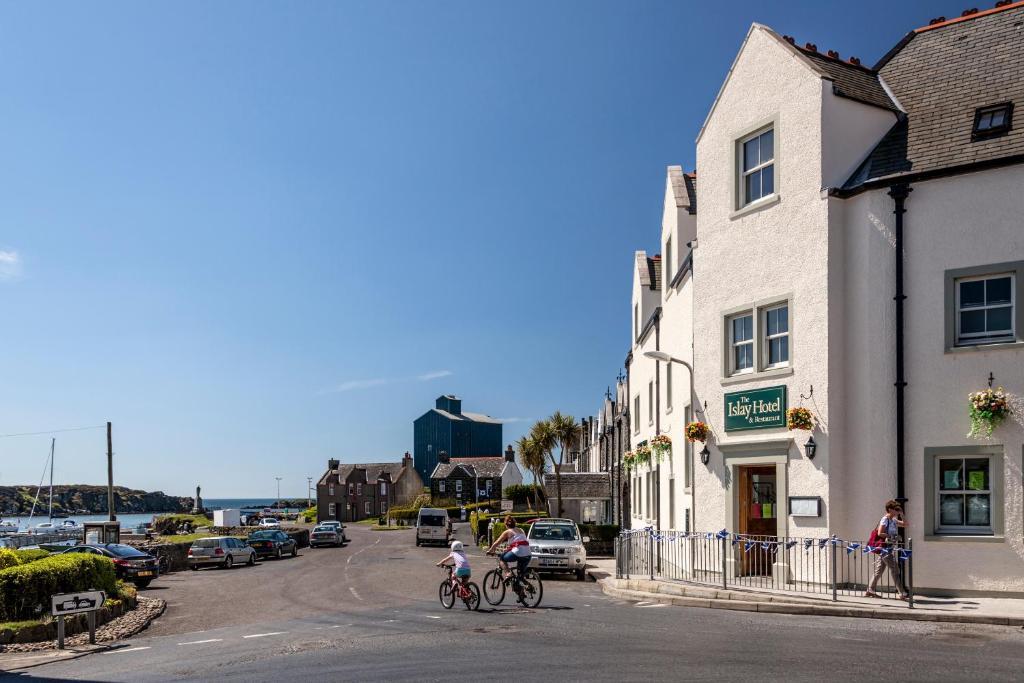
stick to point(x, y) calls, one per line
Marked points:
point(886, 533)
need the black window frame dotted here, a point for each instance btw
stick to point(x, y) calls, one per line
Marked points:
point(994, 131)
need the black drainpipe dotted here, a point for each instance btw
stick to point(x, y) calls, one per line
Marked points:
point(899, 193)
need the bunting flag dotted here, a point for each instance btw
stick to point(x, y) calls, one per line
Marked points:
point(807, 543)
point(822, 543)
point(748, 545)
point(790, 544)
point(722, 534)
point(767, 545)
point(904, 553)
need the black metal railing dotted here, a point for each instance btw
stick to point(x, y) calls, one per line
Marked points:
point(823, 566)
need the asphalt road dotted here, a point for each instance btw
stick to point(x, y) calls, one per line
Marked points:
point(370, 611)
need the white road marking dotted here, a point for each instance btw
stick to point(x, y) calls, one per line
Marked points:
point(131, 649)
point(199, 642)
point(658, 605)
point(264, 635)
point(641, 604)
point(355, 594)
point(339, 625)
point(432, 617)
point(349, 560)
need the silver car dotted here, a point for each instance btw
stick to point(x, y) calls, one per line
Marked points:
point(557, 547)
point(338, 526)
point(325, 534)
point(221, 551)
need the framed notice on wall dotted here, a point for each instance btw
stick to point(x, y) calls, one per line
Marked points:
point(805, 506)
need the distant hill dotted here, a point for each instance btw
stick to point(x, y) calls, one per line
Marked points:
point(76, 499)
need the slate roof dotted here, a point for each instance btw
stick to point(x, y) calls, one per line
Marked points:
point(489, 466)
point(852, 81)
point(940, 74)
point(590, 485)
point(373, 471)
point(650, 270)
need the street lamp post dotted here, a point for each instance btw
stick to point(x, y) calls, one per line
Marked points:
point(309, 489)
point(278, 492)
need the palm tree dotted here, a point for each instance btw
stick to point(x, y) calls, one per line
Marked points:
point(545, 439)
point(566, 433)
point(533, 459)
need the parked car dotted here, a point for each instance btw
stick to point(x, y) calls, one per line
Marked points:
point(337, 525)
point(130, 564)
point(273, 543)
point(269, 523)
point(557, 547)
point(222, 551)
point(432, 526)
point(325, 534)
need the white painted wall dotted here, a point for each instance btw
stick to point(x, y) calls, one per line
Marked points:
point(850, 131)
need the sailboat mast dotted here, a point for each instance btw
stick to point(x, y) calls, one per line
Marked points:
point(53, 443)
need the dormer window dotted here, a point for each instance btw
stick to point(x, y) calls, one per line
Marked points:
point(992, 121)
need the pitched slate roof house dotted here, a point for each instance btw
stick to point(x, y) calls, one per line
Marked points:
point(349, 492)
point(456, 478)
point(449, 429)
point(586, 496)
point(859, 250)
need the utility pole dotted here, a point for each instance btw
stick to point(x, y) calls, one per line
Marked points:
point(278, 492)
point(309, 488)
point(110, 476)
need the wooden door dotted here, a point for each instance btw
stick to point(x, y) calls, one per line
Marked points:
point(758, 518)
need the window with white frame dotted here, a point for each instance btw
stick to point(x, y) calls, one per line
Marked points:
point(490, 486)
point(330, 509)
point(440, 485)
point(741, 343)
point(650, 402)
point(458, 486)
point(668, 387)
point(351, 488)
point(383, 489)
point(775, 323)
point(757, 154)
point(963, 494)
point(368, 507)
point(985, 309)
point(589, 511)
point(330, 489)
point(636, 414)
point(359, 489)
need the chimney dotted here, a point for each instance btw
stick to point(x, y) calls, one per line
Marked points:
point(443, 457)
point(407, 460)
point(332, 464)
point(510, 455)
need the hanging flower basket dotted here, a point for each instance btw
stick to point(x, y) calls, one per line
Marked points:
point(988, 409)
point(660, 445)
point(628, 460)
point(697, 431)
point(799, 418)
point(642, 455)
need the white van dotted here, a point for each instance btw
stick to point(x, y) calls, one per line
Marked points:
point(432, 526)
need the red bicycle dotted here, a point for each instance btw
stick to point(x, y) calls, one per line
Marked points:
point(452, 587)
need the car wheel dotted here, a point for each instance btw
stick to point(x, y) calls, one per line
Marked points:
point(194, 567)
point(228, 562)
point(277, 553)
point(581, 574)
point(417, 543)
point(143, 583)
point(295, 550)
point(252, 560)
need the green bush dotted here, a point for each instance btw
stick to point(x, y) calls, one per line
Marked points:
point(31, 555)
point(309, 515)
point(25, 590)
point(8, 558)
point(524, 493)
point(13, 558)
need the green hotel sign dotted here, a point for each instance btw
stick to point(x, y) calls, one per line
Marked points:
point(756, 409)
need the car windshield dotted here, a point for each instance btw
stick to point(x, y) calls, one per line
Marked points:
point(124, 550)
point(206, 543)
point(432, 520)
point(262, 535)
point(554, 532)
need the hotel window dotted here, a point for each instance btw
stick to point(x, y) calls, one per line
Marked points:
point(330, 509)
point(990, 122)
point(650, 402)
point(963, 491)
point(668, 387)
point(636, 414)
point(330, 489)
point(775, 322)
point(984, 309)
point(741, 343)
point(757, 153)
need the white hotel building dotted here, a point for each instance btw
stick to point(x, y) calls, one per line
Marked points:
point(858, 250)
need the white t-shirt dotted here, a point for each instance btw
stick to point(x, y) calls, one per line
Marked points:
point(518, 544)
point(890, 527)
point(461, 561)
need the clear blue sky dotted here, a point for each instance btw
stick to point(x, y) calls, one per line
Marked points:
point(258, 235)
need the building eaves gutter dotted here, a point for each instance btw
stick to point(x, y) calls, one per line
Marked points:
point(649, 325)
point(912, 177)
point(686, 267)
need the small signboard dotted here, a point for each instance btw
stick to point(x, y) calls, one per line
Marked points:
point(755, 409)
point(63, 604)
point(805, 506)
point(506, 505)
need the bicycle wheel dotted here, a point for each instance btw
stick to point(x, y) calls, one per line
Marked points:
point(531, 589)
point(473, 599)
point(446, 594)
point(494, 587)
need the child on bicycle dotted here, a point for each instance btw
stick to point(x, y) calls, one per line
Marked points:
point(459, 559)
point(518, 550)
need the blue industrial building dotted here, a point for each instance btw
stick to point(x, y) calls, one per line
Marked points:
point(460, 435)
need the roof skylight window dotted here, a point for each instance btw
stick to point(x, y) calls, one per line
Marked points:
point(992, 121)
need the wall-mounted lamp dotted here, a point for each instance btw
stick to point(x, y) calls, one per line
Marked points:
point(705, 455)
point(810, 448)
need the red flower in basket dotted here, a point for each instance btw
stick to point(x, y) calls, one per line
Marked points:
point(697, 431)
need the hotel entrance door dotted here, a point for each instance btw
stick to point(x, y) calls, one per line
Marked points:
point(758, 516)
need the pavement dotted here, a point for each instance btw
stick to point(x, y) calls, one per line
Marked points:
point(370, 611)
point(960, 610)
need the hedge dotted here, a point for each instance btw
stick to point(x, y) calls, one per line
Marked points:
point(410, 513)
point(29, 555)
point(25, 590)
point(14, 558)
point(524, 493)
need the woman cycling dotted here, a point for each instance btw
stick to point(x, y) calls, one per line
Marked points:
point(518, 550)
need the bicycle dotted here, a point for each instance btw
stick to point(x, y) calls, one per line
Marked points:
point(452, 587)
point(528, 587)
